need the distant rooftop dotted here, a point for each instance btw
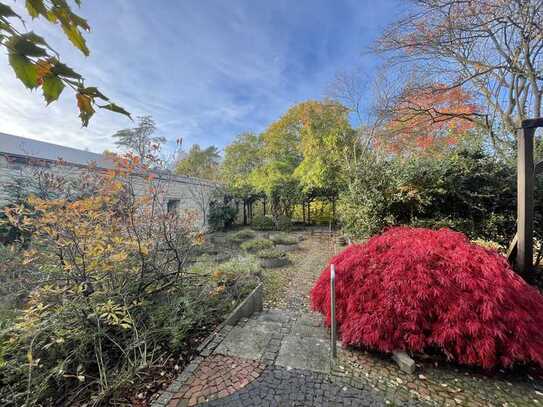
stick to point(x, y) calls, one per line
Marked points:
point(41, 150)
point(25, 147)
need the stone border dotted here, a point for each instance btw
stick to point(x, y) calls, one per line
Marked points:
point(252, 303)
point(274, 262)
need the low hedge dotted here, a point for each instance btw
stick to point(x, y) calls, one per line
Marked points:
point(283, 239)
point(242, 236)
point(261, 222)
point(271, 254)
point(256, 245)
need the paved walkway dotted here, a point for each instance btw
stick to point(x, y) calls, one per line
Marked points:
point(281, 358)
point(273, 359)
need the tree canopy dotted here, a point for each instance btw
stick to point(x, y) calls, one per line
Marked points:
point(140, 140)
point(492, 49)
point(200, 162)
point(241, 158)
point(37, 65)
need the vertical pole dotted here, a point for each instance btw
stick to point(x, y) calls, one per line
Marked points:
point(244, 212)
point(334, 212)
point(525, 199)
point(333, 310)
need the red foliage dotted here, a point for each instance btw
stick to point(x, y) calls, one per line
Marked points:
point(429, 118)
point(418, 289)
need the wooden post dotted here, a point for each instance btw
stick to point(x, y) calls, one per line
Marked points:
point(244, 212)
point(334, 212)
point(333, 310)
point(525, 195)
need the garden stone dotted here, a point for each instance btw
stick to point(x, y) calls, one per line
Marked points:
point(247, 342)
point(274, 263)
point(310, 353)
point(404, 361)
point(286, 247)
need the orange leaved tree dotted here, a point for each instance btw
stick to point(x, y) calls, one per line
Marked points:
point(428, 118)
point(109, 291)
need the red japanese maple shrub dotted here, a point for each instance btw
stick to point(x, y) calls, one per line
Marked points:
point(418, 289)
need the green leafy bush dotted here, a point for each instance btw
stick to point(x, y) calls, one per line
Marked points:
point(256, 245)
point(100, 297)
point(271, 254)
point(283, 223)
point(221, 216)
point(238, 274)
point(284, 239)
point(242, 236)
point(465, 189)
point(261, 222)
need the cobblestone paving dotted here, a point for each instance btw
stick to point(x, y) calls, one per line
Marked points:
point(216, 377)
point(281, 359)
point(440, 386)
point(289, 286)
point(279, 386)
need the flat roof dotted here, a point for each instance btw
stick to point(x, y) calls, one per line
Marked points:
point(41, 150)
point(26, 147)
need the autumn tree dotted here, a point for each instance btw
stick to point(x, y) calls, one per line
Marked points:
point(200, 162)
point(325, 135)
point(279, 156)
point(491, 49)
point(139, 140)
point(427, 119)
point(241, 158)
point(301, 152)
point(37, 65)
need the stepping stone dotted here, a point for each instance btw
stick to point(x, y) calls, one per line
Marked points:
point(305, 330)
point(263, 325)
point(250, 341)
point(310, 353)
point(311, 319)
point(310, 325)
point(273, 316)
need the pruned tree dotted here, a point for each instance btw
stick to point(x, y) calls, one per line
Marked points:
point(490, 48)
point(37, 65)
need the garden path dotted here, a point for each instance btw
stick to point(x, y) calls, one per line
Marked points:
point(280, 357)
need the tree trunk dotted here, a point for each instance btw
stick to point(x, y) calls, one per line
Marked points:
point(264, 205)
point(303, 212)
point(244, 212)
point(309, 212)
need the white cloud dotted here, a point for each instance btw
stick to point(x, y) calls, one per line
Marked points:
point(205, 70)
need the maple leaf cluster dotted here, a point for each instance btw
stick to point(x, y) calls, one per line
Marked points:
point(430, 118)
point(417, 290)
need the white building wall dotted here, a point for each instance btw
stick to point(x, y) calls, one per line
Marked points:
point(192, 194)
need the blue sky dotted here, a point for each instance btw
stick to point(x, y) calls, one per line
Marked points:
point(205, 70)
